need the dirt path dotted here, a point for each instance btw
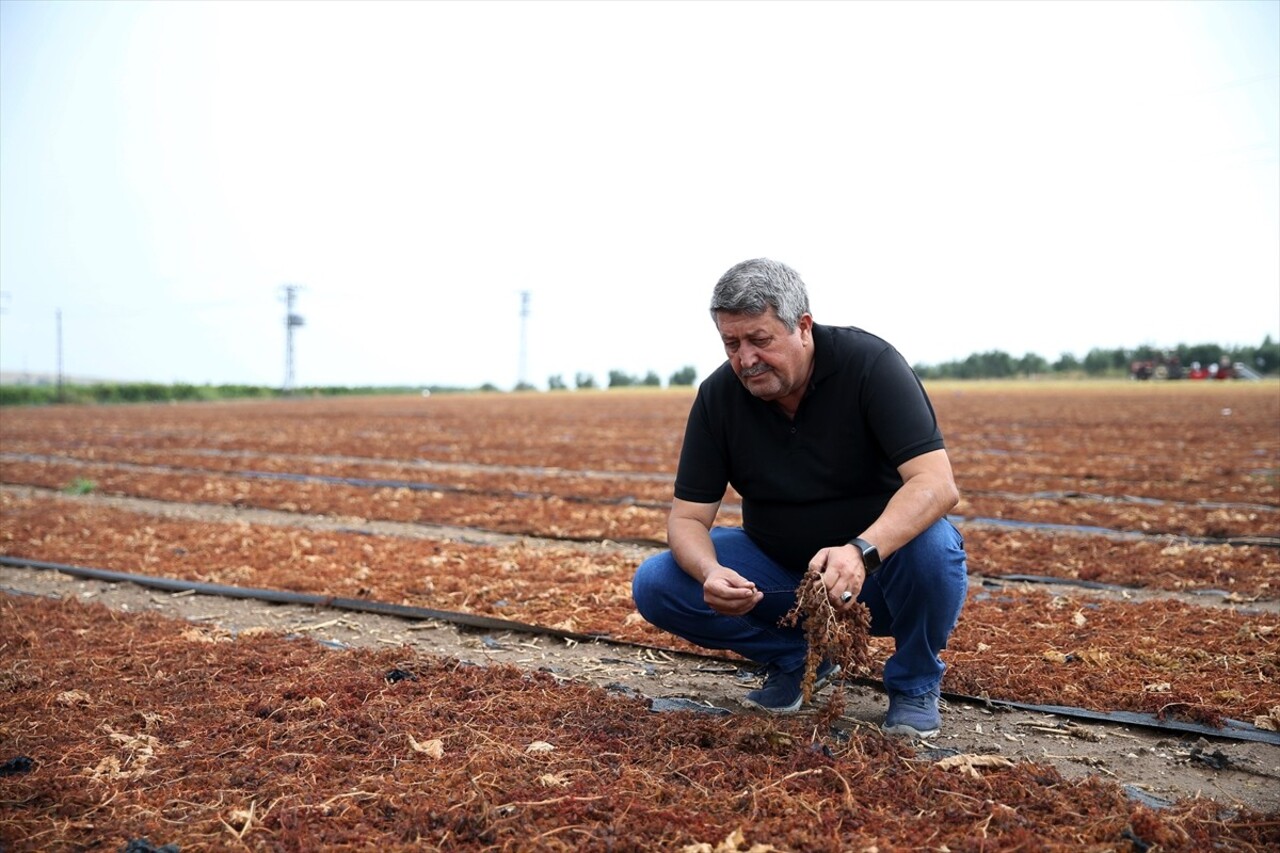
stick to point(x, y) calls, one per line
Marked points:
point(1155, 765)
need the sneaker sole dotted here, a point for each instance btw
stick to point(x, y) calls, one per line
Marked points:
point(909, 731)
point(789, 709)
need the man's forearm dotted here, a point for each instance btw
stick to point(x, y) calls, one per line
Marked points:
point(690, 542)
point(913, 508)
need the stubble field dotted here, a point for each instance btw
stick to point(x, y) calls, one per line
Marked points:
point(1124, 545)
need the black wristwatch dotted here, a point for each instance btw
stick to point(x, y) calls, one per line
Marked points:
point(870, 555)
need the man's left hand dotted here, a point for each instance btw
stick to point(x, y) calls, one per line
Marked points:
point(842, 571)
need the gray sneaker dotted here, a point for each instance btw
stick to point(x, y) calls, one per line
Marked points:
point(914, 716)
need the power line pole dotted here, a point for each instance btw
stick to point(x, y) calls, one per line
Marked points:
point(58, 315)
point(523, 380)
point(4, 301)
point(291, 322)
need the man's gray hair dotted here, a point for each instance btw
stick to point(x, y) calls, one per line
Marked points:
point(753, 287)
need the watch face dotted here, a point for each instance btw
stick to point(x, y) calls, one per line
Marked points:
point(870, 554)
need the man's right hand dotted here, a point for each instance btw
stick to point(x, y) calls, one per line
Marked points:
point(729, 593)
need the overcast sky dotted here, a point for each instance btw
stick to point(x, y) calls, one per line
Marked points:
point(957, 177)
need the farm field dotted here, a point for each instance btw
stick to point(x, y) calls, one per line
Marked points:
point(1124, 545)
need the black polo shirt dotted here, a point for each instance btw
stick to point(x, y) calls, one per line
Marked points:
point(824, 477)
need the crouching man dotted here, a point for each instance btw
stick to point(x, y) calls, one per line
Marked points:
point(830, 439)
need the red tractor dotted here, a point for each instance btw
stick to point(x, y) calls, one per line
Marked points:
point(1169, 366)
point(1224, 369)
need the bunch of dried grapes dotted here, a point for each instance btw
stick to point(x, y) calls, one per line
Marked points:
point(840, 637)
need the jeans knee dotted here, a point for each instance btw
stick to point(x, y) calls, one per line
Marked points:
point(641, 587)
point(936, 560)
point(648, 587)
point(939, 536)
point(940, 544)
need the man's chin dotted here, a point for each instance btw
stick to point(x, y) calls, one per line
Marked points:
point(761, 386)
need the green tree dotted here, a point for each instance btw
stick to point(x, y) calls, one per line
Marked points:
point(994, 364)
point(1032, 364)
point(584, 380)
point(555, 383)
point(1066, 363)
point(651, 380)
point(620, 379)
point(684, 376)
point(1099, 362)
point(1266, 358)
point(1206, 354)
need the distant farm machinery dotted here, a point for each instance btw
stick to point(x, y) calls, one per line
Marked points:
point(1171, 367)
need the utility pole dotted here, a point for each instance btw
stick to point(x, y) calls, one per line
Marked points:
point(4, 301)
point(291, 322)
point(58, 315)
point(522, 380)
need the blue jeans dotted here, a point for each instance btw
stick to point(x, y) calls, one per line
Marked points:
point(915, 598)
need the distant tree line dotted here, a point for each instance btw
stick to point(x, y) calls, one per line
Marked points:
point(620, 379)
point(1264, 359)
point(155, 392)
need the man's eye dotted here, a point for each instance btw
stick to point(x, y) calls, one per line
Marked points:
point(730, 346)
point(761, 343)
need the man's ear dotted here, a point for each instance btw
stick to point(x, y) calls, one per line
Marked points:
point(805, 327)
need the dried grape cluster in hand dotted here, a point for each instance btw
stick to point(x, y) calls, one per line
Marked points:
point(832, 635)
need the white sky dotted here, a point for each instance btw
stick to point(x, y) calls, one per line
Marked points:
point(957, 177)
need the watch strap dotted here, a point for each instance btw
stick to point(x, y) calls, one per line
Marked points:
point(870, 555)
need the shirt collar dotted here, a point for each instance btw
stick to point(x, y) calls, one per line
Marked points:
point(823, 364)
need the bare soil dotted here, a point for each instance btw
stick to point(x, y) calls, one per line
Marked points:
point(1149, 514)
point(1162, 766)
point(143, 733)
